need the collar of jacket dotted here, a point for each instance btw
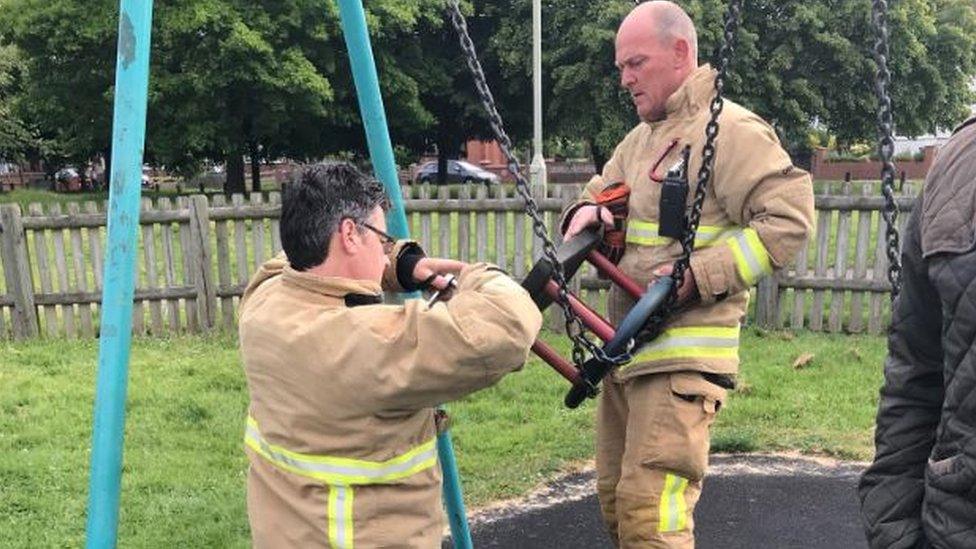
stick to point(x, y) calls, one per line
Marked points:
point(694, 94)
point(358, 292)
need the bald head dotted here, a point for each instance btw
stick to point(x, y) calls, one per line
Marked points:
point(656, 51)
point(665, 21)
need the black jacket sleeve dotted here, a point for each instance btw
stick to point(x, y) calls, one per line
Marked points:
point(891, 490)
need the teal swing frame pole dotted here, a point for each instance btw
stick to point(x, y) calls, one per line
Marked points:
point(115, 328)
point(371, 109)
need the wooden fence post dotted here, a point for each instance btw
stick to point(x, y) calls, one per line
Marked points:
point(201, 255)
point(767, 302)
point(17, 271)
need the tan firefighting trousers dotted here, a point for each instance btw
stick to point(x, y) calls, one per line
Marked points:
point(652, 452)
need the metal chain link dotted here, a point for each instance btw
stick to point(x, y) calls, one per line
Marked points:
point(727, 49)
point(886, 144)
point(574, 326)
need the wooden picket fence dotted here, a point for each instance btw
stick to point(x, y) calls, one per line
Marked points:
point(196, 254)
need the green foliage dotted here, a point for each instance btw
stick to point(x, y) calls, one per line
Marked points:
point(68, 50)
point(17, 140)
point(796, 62)
point(230, 74)
point(227, 76)
point(270, 78)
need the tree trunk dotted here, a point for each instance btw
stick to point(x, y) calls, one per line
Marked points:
point(441, 164)
point(107, 176)
point(235, 173)
point(255, 167)
point(598, 155)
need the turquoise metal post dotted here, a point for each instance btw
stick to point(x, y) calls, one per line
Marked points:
point(381, 151)
point(115, 333)
point(371, 110)
point(453, 498)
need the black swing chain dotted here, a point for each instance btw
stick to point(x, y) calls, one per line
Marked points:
point(886, 146)
point(727, 49)
point(574, 326)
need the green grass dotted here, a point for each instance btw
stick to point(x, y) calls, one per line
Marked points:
point(183, 464)
point(826, 407)
point(185, 471)
point(24, 197)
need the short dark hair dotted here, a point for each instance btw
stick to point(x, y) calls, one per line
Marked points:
point(318, 197)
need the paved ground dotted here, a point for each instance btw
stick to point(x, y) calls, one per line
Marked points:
point(749, 502)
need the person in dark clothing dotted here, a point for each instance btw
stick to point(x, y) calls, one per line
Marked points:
point(920, 491)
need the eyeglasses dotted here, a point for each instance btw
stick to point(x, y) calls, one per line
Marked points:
point(385, 239)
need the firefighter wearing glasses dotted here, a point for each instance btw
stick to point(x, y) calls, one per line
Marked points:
point(341, 431)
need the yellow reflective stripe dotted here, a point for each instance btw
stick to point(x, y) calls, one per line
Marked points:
point(347, 517)
point(673, 510)
point(751, 257)
point(691, 342)
point(338, 470)
point(339, 514)
point(645, 233)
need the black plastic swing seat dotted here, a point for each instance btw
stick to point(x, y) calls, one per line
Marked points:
point(570, 254)
point(594, 370)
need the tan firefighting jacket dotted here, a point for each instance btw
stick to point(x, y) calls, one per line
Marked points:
point(757, 214)
point(340, 432)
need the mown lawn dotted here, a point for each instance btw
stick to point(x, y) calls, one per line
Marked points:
point(184, 468)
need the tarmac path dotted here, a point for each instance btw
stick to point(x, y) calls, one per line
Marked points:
point(749, 501)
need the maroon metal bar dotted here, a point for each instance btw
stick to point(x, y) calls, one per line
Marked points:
point(617, 276)
point(558, 363)
point(599, 325)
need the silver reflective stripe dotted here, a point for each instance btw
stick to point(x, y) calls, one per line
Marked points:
point(342, 470)
point(710, 238)
point(645, 232)
point(749, 255)
point(673, 505)
point(642, 232)
point(691, 342)
point(710, 342)
point(343, 523)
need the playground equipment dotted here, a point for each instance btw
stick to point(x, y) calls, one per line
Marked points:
point(128, 137)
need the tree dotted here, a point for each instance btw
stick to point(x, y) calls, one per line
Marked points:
point(228, 78)
point(16, 139)
point(796, 62)
point(67, 52)
point(234, 78)
point(447, 90)
point(813, 61)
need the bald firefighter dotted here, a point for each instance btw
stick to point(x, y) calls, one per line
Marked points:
point(341, 431)
point(655, 413)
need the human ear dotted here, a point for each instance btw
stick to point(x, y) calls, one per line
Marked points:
point(349, 236)
point(681, 51)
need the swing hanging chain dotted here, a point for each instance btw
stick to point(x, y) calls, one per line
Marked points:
point(886, 142)
point(704, 172)
point(574, 325)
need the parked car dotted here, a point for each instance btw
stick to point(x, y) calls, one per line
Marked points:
point(458, 171)
point(147, 182)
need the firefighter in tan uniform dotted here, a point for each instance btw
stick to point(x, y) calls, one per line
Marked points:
point(655, 413)
point(341, 434)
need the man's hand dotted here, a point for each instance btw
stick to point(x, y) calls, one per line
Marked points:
point(586, 216)
point(438, 269)
point(688, 291)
